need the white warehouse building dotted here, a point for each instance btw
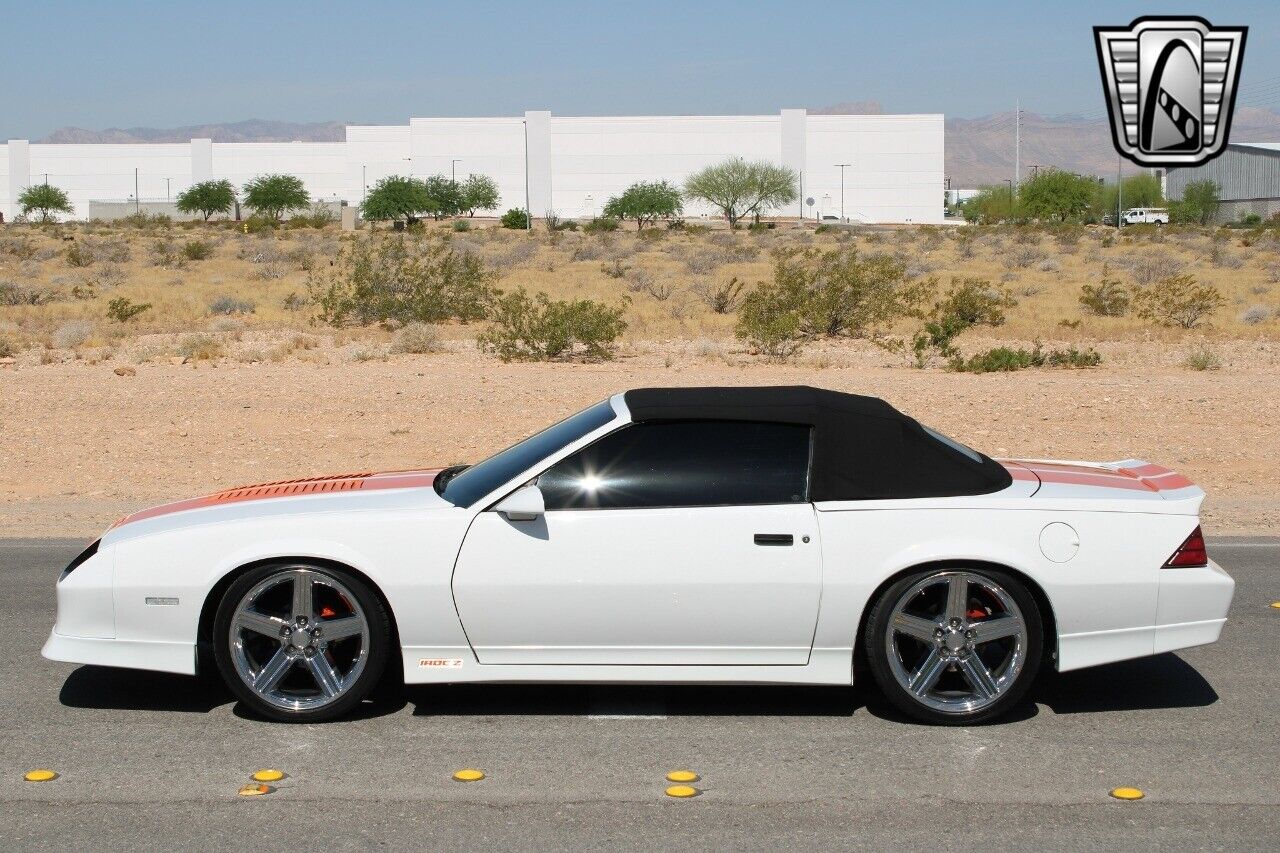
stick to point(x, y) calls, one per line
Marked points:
point(569, 165)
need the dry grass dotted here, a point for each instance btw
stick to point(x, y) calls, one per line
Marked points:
point(260, 279)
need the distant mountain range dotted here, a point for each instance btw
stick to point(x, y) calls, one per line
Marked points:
point(978, 150)
point(252, 130)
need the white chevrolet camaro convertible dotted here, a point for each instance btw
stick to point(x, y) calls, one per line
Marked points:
point(783, 535)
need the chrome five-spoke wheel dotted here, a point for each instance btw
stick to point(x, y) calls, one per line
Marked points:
point(955, 645)
point(299, 641)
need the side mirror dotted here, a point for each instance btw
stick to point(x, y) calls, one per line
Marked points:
point(524, 504)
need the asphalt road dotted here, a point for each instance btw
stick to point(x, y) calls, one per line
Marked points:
point(154, 761)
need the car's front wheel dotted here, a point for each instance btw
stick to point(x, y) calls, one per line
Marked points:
point(955, 646)
point(300, 643)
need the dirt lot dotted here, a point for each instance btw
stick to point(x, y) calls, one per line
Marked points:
point(84, 445)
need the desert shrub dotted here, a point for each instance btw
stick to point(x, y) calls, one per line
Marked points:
point(461, 225)
point(199, 347)
point(514, 218)
point(197, 250)
point(637, 280)
point(114, 250)
point(588, 250)
point(7, 348)
point(1023, 256)
point(227, 305)
point(540, 329)
point(703, 260)
point(395, 279)
point(1152, 267)
point(416, 338)
point(19, 294)
point(1254, 315)
point(615, 269)
point(1049, 265)
point(1220, 256)
point(721, 298)
point(828, 293)
point(522, 250)
point(968, 302)
point(1106, 299)
point(72, 334)
point(601, 225)
point(1004, 359)
point(122, 310)
point(80, 255)
point(294, 302)
point(21, 247)
point(226, 325)
point(1178, 301)
point(164, 253)
point(1202, 358)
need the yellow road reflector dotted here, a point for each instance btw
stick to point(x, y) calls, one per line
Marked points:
point(40, 776)
point(468, 775)
point(682, 791)
point(268, 776)
point(255, 790)
point(1127, 793)
point(682, 776)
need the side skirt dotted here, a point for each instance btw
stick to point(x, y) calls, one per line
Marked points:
point(458, 664)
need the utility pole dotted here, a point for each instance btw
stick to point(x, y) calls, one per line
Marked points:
point(453, 171)
point(137, 199)
point(842, 168)
point(1119, 189)
point(1017, 143)
point(1035, 170)
point(166, 189)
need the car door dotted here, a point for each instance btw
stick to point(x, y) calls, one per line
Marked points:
point(688, 542)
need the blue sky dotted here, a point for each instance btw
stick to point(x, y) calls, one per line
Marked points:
point(124, 63)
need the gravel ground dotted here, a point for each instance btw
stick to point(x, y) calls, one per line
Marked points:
point(84, 445)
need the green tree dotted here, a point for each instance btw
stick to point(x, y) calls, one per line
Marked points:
point(45, 199)
point(1056, 195)
point(396, 197)
point(1139, 191)
point(1199, 203)
point(990, 206)
point(274, 195)
point(207, 198)
point(479, 192)
point(645, 202)
point(738, 189)
point(446, 196)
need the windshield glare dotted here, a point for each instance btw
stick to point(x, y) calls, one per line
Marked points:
point(479, 480)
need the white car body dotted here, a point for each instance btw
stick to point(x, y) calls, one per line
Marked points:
point(652, 595)
point(1146, 216)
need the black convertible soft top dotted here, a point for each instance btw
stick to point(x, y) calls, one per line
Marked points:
point(863, 448)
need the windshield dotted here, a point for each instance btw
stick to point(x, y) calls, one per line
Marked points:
point(470, 485)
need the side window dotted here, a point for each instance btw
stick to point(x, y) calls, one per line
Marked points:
point(684, 463)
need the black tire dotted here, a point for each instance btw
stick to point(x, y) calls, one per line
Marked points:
point(379, 642)
point(877, 649)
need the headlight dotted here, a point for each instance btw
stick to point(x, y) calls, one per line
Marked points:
point(84, 555)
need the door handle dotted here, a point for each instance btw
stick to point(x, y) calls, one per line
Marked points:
point(775, 539)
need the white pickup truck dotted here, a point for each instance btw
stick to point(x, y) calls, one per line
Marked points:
point(1146, 215)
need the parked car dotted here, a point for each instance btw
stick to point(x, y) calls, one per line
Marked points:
point(738, 535)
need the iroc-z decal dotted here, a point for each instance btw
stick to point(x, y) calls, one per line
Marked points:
point(1171, 87)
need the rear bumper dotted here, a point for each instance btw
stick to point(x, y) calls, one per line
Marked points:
point(1192, 607)
point(130, 654)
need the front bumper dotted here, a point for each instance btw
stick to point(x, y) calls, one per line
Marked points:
point(130, 654)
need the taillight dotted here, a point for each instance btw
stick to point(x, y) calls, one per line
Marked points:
point(1190, 554)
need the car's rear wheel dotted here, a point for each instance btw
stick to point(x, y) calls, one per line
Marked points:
point(955, 646)
point(300, 643)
